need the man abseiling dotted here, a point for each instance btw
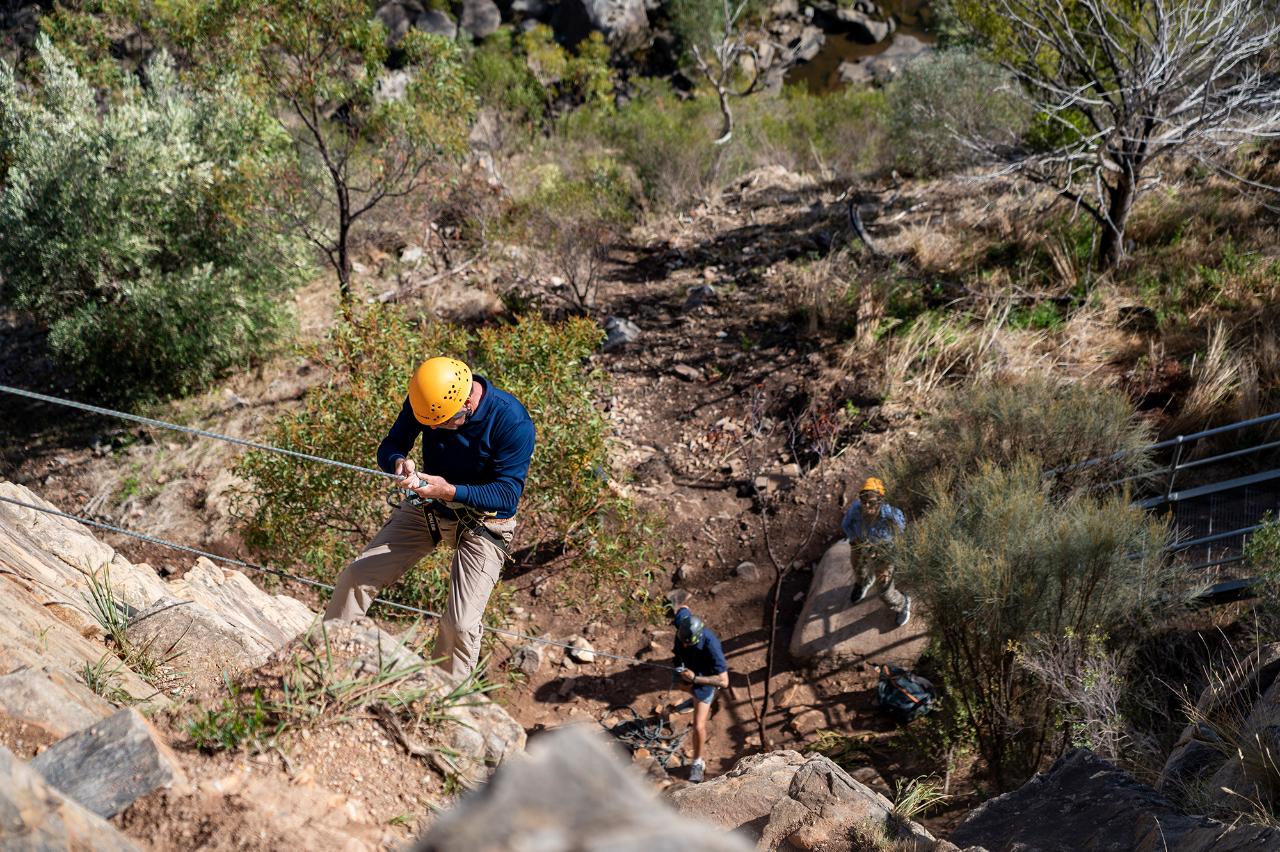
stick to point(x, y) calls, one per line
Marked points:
point(477, 442)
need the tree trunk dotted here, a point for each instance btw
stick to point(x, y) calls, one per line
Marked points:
point(1119, 203)
point(344, 256)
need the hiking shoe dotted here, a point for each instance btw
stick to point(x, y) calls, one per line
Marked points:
point(858, 595)
point(685, 706)
point(905, 615)
point(697, 771)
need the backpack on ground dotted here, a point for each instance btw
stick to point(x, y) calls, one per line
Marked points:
point(902, 694)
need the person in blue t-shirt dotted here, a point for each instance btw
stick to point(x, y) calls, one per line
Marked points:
point(701, 665)
point(870, 526)
point(477, 442)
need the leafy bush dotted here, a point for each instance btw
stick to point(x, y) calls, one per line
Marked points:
point(137, 235)
point(997, 562)
point(946, 97)
point(1000, 420)
point(321, 515)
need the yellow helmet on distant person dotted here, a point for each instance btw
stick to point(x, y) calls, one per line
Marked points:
point(438, 389)
point(872, 484)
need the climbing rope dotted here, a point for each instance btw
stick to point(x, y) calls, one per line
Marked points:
point(190, 430)
point(150, 539)
point(651, 733)
point(204, 433)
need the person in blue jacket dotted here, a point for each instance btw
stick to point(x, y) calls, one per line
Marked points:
point(870, 526)
point(477, 443)
point(701, 665)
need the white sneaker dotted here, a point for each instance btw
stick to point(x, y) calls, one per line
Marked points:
point(859, 595)
point(697, 771)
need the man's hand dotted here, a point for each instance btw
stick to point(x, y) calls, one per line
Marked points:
point(434, 488)
point(405, 469)
point(688, 675)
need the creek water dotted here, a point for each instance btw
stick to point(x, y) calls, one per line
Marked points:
point(822, 73)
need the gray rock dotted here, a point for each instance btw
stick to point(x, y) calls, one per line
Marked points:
point(572, 791)
point(808, 44)
point(689, 374)
point(748, 571)
point(396, 19)
point(886, 65)
point(703, 294)
point(830, 626)
point(481, 18)
point(436, 22)
point(1084, 804)
point(528, 659)
point(582, 652)
point(391, 86)
point(1248, 700)
point(108, 765)
point(537, 9)
point(35, 817)
point(619, 332)
point(51, 701)
point(863, 27)
point(201, 648)
point(624, 23)
point(786, 801)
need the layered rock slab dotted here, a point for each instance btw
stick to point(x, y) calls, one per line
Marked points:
point(35, 817)
point(1085, 804)
point(570, 791)
point(830, 626)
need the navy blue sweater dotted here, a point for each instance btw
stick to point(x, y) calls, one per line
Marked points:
point(487, 459)
point(706, 657)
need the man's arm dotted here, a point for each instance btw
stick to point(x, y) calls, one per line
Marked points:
point(399, 441)
point(510, 467)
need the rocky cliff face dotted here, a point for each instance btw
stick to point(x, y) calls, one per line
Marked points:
point(75, 748)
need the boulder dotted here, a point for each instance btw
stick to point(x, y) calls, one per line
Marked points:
point(480, 18)
point(1242, 707)
point(829, 625)
point(571, 791)
point(436, 22)
point(270, 620)
point(482, 733)
point(109, 764)
point(624, 23)
point(395, 19)
point(1084, 804)
point(883, 67)
point(50, 700)
point(863, 26)
point(36, 817)
point(619, 332)
point(199, 645)
point(786, 801)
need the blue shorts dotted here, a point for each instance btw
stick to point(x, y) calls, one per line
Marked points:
point(704, 693)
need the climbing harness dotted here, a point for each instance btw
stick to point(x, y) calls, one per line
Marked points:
point(469, 520)
point(653, 733)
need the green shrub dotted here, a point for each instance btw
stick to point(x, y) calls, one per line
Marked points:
point(943, 100)
point(997, 562)
point(138, 235)
point(321, 516)
point(1001, 420)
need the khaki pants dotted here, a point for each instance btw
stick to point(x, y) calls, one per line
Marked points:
point(397, 547)
point(868, 566)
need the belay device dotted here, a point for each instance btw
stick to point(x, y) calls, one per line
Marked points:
point(902, 694)
point(468, 519)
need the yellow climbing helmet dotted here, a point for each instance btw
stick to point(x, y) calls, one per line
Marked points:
point(873, 484)
point(438, 389)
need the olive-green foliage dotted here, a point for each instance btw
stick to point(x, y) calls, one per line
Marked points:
point(1262, 550)
point(320, 515)
point(701, 23)
point(138, 233)
point(529, 77)
point(996, 561)
point(944, 98)
point(664, 137)
point(998, 421)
